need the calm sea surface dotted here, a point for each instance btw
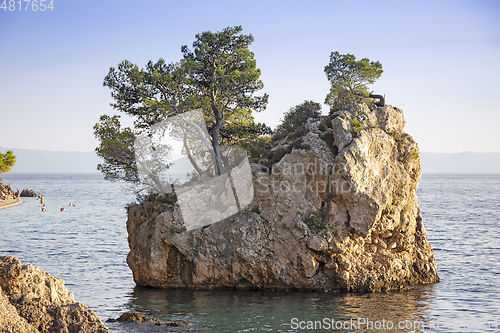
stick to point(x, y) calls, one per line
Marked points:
point(87, 247)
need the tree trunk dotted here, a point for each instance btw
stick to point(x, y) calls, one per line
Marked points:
point(191, 158)
point(155, 179)
point(231, 180)
point(215, 135)
point(216, 146)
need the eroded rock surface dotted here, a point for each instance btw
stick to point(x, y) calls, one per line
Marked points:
point(32, 300)
point(340, 213)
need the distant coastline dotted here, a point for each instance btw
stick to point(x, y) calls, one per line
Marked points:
point(43, 161)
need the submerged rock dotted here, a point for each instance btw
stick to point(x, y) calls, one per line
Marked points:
point(32, 300)
point(132, 317)
point(135, 317)
point(340, 213)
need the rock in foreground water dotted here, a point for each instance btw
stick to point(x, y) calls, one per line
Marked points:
point(135, 317)
point(338, 210)
point(32, 300)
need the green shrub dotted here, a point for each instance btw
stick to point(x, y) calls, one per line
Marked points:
point(280, 152)
point(322, 127)
point(176, 229)
point(356, 125)
point(330, 142)
point(258, 147)
point(299, 131)
point(329, 123)
point(328, 138)
point(415, 154)
point(315, 220)
point(256, 209)
point(393, 133)
point(164, 200)
point(286, 226)
point(278, 136)
point(296, 117)
point(298, 144)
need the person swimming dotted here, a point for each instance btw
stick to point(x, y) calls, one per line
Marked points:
point(62, 209)
point(43, 208)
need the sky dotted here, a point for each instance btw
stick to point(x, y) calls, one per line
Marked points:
point(441, 61)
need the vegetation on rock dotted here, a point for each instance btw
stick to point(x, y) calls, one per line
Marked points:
point(218, 76)
point(292, 124)
point(348, 78)
point(356, 125)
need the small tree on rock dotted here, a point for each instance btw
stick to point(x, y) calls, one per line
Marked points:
point(218, 76)
point(348, 78)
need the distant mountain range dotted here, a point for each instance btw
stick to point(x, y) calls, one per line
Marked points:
point(33, 160)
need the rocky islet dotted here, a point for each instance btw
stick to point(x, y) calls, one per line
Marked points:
point(337, 210)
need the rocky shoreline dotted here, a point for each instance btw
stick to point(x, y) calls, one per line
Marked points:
point(8, 197)
point(32, 301)
point(335, 209)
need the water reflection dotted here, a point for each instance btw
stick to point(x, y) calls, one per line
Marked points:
point(244, 311)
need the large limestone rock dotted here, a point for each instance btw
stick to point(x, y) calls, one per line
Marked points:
point(340, 213)
point(33, 301)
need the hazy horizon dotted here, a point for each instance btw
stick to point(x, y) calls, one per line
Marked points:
point(43, 161)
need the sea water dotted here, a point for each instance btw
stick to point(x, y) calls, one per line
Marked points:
point(86, 245)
